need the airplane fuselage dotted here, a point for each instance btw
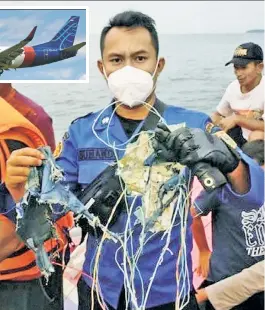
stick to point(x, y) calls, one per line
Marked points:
point(37, 56)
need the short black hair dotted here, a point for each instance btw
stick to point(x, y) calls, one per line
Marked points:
point(255, 150)
point(131, 19)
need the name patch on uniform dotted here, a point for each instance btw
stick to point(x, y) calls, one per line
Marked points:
point(96, 154)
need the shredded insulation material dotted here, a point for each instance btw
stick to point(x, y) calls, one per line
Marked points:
point(147, 181)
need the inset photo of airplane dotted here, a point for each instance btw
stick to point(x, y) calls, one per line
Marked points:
point(61, 53)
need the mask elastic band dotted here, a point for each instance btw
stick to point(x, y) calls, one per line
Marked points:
point(155, 67)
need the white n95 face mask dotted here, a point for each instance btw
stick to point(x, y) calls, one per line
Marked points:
point(131, 86)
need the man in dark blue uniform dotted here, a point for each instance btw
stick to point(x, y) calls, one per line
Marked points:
point(131, 65)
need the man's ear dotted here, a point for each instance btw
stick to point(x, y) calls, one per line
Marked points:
point(101, 67)
point(260, 67)
point(160, 66)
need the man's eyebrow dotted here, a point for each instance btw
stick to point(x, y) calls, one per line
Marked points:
point(115, 55)
point(142, 51)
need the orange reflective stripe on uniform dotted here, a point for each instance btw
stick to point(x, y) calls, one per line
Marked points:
point(21, 264)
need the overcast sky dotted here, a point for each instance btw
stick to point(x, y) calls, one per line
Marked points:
point(174, 16)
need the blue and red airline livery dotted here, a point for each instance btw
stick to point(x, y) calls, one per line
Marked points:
point(59, 48)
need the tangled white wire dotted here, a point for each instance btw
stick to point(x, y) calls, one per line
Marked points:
point(181, 211)
point(108, 143)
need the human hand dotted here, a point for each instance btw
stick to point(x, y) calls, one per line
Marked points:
point(201, 296)
point(18, 168)
point(204, 263)
point(162, 133)
point(228, 122)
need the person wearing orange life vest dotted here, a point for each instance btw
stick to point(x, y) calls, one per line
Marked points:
point(24, 123)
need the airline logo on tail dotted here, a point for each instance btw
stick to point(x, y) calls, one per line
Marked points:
point(66, 35)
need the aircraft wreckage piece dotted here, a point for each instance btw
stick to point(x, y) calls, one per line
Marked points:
point(157, 183)
point(45, 194)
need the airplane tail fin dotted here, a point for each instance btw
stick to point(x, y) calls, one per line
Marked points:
point(66, 35)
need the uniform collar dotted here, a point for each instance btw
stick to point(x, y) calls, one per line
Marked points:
point(106, 119)
point(110, 120)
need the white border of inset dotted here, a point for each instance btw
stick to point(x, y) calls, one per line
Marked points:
point(32, 7)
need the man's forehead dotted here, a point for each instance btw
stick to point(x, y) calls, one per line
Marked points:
point(120, 39)
point(247, 65)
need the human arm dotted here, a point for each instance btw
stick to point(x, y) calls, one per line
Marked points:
point(248, 123)
point(18, 168)
point(19, 163)
point(200, 238)
point(203, 203)
point(234, 290)
point(216, 118)
point(242, 121)
point(17, 174)
point(201, 295)
point(223, 109)
point(239, 178)
point(9, 240)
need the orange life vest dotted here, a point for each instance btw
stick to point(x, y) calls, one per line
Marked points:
point(21, 264)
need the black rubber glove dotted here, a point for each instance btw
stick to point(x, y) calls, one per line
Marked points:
point(192, 146)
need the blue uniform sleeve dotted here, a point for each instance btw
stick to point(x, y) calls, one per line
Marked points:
point(66, 157)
